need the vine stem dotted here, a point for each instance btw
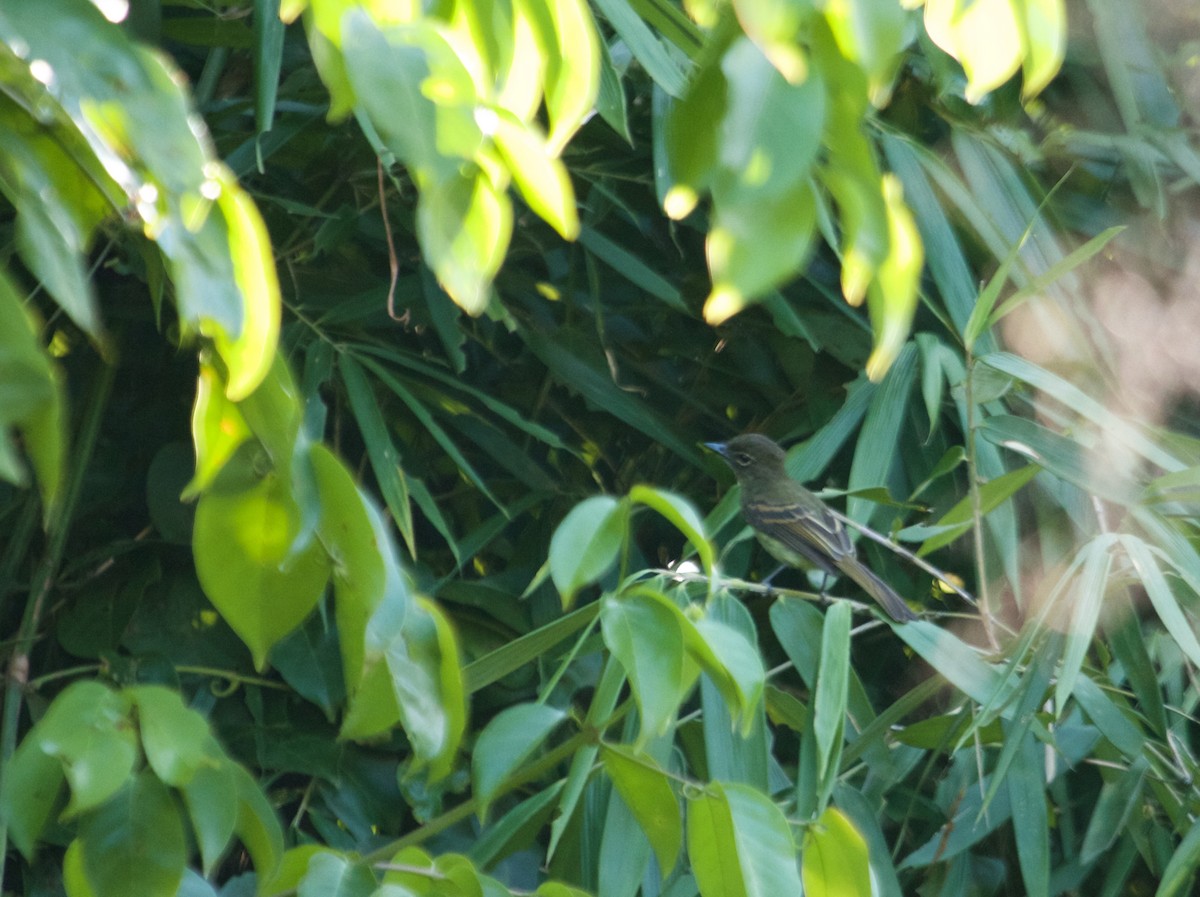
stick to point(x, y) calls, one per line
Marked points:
point(58, 527)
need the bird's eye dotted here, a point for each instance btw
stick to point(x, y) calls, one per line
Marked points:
point(742, 459)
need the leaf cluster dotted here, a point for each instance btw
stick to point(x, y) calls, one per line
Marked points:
point(353, 377)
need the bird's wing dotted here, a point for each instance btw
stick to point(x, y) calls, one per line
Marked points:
point(803, 527)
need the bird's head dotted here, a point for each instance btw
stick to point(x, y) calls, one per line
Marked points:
point(751, 456)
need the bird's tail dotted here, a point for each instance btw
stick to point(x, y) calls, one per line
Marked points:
point(887, 597)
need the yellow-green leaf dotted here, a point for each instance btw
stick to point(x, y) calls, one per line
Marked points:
point(539, 175)
point(263, 584)
point(248, 354)
point(836, 862)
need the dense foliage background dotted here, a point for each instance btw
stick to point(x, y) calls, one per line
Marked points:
point(425, 309)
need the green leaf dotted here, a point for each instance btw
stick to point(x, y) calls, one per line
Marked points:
point(949, 728)
point(421, 656)
point(835, 859)
point(333, 875)
point(1086, 602)
point(691, 139)
point(218, 429)
point(427, 420)
point(647, 49)
point(33, 784)
point(1181, 869)
point(872, 34)
point(645, 632)
point(464, 223)
point(532, 645)
point(1068, 263)
point(962, 665)
point(1161, 597)
point(610, 97)
point(558, 889)
point(388, 69)
point(959, 519)
point(756, 245)
point(193, 885)
point(268, 59)
point(647, 792)
point(586, 544)
point(829, 702)
point(882, 427)
point(505, 743)
point(212, 805)
point(381, 449)
point(32, 399)
point(175, 739)
point(1060, 455)
point(1112, 721)
point(515, 828)
point(134, 843)
point(257, 826)
point(310, 662)
point(248, 563)
point(87, 728)
point(740, 844)
point(1112, 425)
point(1027, 784)
point(366, 573)
point(580, 366)
point(892, 296)
point(1129, 642)
point(733, 663)
point(944, 254)
point(1119, 795)
point(604, 701)
point(58, 209)
point(765, 212)
point(290, 870)
point(632, 267)
point(274, 414)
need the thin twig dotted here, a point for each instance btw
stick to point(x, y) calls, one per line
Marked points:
point(393, 261)
point(903, 552)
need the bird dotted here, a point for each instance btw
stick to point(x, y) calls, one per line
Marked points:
point(793, 524)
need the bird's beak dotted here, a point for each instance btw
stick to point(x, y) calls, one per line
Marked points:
point(718, 447)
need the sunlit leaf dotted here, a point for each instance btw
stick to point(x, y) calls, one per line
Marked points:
point(263, 584)
point(835, 860)
point(541, 178)
point(871, 33)
point(984, 36)
point(249, 352)
point(646, 790)
point(464, 223)
point(740, 843)
point(892, 297)
point(572, 76)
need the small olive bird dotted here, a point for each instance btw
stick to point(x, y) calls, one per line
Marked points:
point(793, 524)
